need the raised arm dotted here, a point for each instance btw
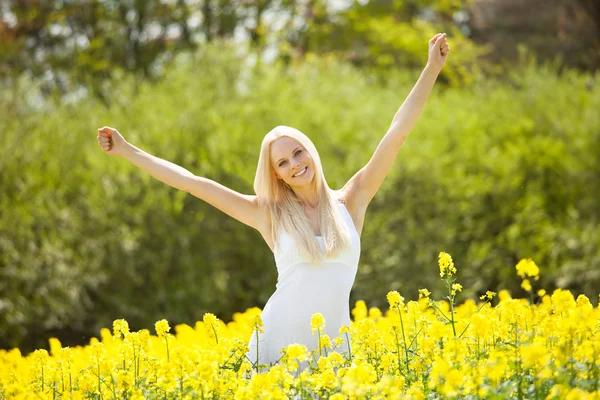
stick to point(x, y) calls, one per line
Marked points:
point(361, 188)
point(242, 207)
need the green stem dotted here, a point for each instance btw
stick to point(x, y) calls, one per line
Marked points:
point(319, 332)
point(99, 387)
point(451, 298)
point(404, 339)
point(349, 348)
point(397, 349)
point(135, 371)
point(215, 332)
point(464, 330)
point(137, 368)
point(480, 307)
point(167, 342)
point(415, 337)
point(256, 366)
point(441, 312)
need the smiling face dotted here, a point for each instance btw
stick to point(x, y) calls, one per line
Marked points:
point(291, 162)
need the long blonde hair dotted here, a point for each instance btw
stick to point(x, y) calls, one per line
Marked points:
point(285, 209)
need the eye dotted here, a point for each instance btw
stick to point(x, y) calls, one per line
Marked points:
point(282, 163)
point(298, 152)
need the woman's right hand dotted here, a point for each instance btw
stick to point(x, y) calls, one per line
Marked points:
point(111, 141)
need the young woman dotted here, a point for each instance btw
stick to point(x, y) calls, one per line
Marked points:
point(313, 231)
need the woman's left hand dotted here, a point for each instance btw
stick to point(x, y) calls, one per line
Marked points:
point(438, 51)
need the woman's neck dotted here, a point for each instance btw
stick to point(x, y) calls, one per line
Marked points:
point(307, 197)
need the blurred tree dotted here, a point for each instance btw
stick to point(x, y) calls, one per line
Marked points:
point(383, 34)
point(83, 45)
point(75, 44)
point(550, 28)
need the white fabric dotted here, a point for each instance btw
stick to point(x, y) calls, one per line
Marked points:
point(303, 290)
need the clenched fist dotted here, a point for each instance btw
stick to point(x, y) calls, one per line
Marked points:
point(111, 141)
point(438, 51)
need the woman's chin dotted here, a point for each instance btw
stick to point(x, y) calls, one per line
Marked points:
point(297, 183)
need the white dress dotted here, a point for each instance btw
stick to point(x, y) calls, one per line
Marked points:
point(303, 290)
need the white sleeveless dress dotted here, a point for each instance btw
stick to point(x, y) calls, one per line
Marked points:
point(303, 290)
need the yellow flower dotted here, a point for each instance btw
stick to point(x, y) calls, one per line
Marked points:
point(526, 285)
point(374, 313)
point(120, 327)
point(40, 357)
point(360, 310)
point(162, 327)
point(527, 268)
point(211, 324)
point(394, 299)
point(296, 351)
point(209, 319)
point(326, 341)
point(257, 323)
point(488, 295)
point(344, 329)
point(456, 287)
point(424, 293)
point(446, 265)
point(541, 292)
point(504, 295)
point(98, 351)
point(317, 322)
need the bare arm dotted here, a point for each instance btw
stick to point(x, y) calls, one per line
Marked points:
point(163, 170)
point(363, 186)
point(242, 207)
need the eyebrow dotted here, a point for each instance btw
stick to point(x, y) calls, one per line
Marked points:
point(292, 153)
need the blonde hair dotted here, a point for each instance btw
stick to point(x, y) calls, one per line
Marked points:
point(285, 209)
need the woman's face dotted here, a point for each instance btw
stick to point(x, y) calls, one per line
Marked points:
point(291, 162)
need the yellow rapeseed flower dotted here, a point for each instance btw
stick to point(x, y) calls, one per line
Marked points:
point(504, 295)
point(527, 268)
point(296, 351)
point(162, 327)
point(317, 322)
point(394, 299)
point(555, 341)
point(456, 287)
point(526, 285)
point(257, 323)
point(344, 329)
point(120, 327)
point(211, 324)
point(360, 310)
point(488, 295)
point(446, 265)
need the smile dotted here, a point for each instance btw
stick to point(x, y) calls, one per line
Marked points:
point(300, 173)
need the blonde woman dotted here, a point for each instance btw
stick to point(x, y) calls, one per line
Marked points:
point(313, 231)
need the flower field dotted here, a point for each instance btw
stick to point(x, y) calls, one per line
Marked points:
point(544, 347)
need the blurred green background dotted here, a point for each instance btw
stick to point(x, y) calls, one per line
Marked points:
point(502, 165)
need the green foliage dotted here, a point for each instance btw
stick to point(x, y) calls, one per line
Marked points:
point(382, 35)
point(492, 173)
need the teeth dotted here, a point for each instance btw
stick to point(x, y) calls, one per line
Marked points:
point(301, 172)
